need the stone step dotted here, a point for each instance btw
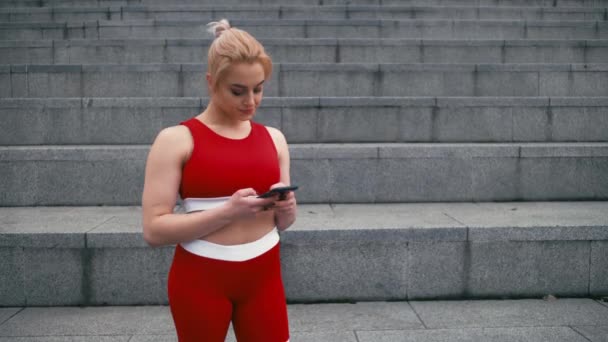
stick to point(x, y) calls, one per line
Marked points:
point(302, 80)
point(267, 12)
point(96, 255)
point(535, 319)
point(334, 173)
point(353, 28)
point(308, 50)
point(57, 121)
point(498, 3)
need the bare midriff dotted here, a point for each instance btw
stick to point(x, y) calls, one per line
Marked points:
point(243, 230)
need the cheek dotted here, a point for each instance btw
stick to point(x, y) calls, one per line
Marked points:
point(228, 102)
point(231, 100)
point(258, 98)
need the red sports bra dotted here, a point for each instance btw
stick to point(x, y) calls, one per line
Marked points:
point(220, 166)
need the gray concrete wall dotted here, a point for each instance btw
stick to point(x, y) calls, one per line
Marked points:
point(306, 80)
point(137, 51)
point(333, 253)
point(329, 173)
point(352, 28)
point(208, 12)
point(114, 121)
point(546, 3)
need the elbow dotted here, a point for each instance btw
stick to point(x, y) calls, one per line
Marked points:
point(151, 239)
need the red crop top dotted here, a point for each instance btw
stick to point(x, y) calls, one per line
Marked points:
point(220, 166)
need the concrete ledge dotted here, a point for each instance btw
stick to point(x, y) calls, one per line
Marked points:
point(308, 50)
point(316, 120)
point(565, 320)
point(314, 79)
point(333, 173)
point(296, 12)
point(145, 102)
point(73, 153)
point(507, 3)
point(333, 252)
point(296, 28)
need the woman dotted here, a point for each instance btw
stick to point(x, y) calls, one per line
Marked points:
point(226, 265)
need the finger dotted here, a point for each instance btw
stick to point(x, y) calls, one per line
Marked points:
point(277, 185)
point(246, 192)
point(287, 201)
point(284, 203)
point(286, 196)
point(261, 202)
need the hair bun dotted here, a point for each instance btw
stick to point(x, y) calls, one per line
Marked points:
point(217, 27)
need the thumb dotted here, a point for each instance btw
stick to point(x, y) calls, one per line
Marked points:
point(247, 192)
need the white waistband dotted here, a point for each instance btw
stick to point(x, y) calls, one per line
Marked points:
point(241, 252)
point(196, 204)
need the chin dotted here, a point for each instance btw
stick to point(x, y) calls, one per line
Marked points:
point(245, 117)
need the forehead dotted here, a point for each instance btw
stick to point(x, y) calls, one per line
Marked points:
point(248, 74)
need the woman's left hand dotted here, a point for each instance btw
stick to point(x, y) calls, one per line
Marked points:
point(284, 209)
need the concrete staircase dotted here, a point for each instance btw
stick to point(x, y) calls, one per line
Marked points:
point(407, 121)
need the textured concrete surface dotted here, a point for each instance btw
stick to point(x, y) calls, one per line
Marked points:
point(517, 313)
point(437, 270)
point(54, 276)
point(508, 3)
point(543, 334)
point(314, 120)
point(336, 173)
point(312, 79)
point(599, 268)
point(528, 269)
point(339, 252)
point(337, 272)
point(329, 28)
point(12, 291)
point(171, 12)
point(429, 252)
point(563, 320)
point(308, 50)
point(7, 313)
point(593, 333)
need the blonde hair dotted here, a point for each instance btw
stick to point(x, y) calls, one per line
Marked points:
point(232, 45)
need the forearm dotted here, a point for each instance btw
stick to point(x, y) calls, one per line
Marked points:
point(170, 229)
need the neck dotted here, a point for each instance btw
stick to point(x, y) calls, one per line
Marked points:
point(213, 116)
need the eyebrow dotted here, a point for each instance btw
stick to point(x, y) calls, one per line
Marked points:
point(245, 87)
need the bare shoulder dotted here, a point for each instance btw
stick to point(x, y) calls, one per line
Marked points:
point(174, 140)
point(174, 134)
point(280, 143)
point(276, 135)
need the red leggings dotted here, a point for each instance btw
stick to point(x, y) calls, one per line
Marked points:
point(206, 294)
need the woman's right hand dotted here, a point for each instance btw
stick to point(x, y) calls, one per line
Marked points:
point(244, 204)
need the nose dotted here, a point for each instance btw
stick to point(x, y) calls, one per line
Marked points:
point(249, 100)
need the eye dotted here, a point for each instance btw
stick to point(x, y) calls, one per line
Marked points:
point(237, 92)
point(257, 90)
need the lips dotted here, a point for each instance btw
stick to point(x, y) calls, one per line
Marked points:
point(247, 111)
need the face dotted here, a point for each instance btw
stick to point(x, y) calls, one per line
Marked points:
point(239, 93)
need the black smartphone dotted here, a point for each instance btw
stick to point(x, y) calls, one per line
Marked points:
point(280, 190)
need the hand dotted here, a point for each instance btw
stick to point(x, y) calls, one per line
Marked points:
point(244, 204)
point(285, 206)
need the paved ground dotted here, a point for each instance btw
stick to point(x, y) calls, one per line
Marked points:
point(529, 320)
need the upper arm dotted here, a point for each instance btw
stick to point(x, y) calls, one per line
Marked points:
point(283, 153)
point(169, 151)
